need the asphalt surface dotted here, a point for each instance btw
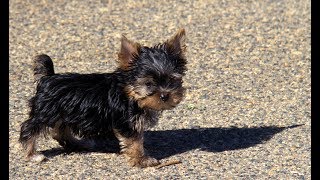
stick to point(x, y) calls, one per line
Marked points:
point(247, 110)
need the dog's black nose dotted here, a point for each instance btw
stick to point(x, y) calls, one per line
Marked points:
point(164, 96)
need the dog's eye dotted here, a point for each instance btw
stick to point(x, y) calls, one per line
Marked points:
point(176, 79)
point(148, 84)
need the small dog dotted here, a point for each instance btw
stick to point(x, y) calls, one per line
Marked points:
point(73, 107)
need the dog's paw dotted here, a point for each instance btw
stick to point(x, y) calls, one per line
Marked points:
point(37, 158)
point(143, 162)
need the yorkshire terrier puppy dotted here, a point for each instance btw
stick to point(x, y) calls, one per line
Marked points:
point(72, 107)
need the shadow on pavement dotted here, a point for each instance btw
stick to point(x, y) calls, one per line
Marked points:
point(163, 144)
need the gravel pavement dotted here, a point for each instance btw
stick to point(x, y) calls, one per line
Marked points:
point(247, 111)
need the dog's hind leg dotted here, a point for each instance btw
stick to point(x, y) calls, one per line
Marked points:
point(68, 140)
point(28, 135)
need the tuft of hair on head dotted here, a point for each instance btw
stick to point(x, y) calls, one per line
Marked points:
point(176, 45)
point(128, 51)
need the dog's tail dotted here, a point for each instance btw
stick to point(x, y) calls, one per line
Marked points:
point(43, 66)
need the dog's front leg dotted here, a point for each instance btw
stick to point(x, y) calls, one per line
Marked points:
point(132, 147)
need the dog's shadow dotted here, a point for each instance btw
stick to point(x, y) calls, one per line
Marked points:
point(163, 144)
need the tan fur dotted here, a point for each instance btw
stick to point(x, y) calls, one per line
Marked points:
point(32, 155)
point(127, 52)
point(31, 147)
point(139, 93)
point(139, 89)
point(154, 101)
point(176, 44)
point(133, 149)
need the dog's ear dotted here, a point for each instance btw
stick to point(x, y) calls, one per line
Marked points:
point(128, 51)
point(176, 44)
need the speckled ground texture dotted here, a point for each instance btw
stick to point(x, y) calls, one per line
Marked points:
point(246, 114)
